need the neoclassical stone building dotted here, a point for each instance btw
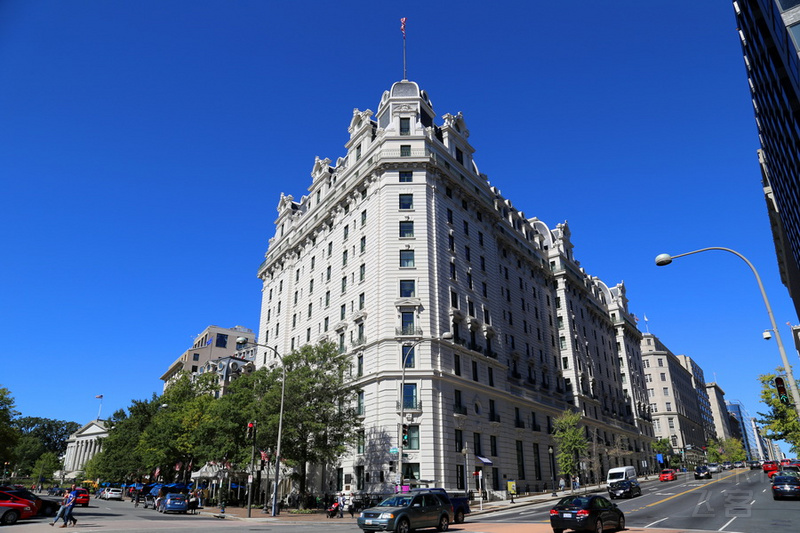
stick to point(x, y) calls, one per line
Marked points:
point(403, 252)
point(82, 446)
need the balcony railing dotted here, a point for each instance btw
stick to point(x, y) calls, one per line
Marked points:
point(410, 404)
point(459, 409)
point(519, 423)
point(494, 417)
point(536, 427)
point(409, 331)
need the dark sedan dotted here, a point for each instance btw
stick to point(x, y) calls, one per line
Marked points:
point(593, 513)
point(702, 472)
point(785, 487)
point(626, 488)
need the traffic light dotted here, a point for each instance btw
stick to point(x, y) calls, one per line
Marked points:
point(405, 435)
point(783, 396)
point(251, 431)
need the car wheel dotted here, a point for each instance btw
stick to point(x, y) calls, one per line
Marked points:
point(459, 518)
point(403, 526)
point(10, 517)
point(598, 526)
point(621, 524)
point(444, 523)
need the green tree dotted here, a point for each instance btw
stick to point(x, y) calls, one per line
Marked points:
point(719, 451)
point(664, 447)
point(9, 434)
point(39, 436)
point(44, 467)
point(571, 443)
point(781, 421)
point(319, 417)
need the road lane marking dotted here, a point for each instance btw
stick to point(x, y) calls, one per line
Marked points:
point(727, 523)
point(690, 490)
point(656, 522)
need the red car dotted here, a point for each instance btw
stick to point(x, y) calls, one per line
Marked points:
point(82, 498)
point(769, 466)
point(668, 475)
point(12, 508)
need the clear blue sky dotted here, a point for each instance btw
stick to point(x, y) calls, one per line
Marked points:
point(144, 146)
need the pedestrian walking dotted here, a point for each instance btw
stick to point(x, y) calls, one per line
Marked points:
point(341, 502)
point(65, 513)
point(561, 484)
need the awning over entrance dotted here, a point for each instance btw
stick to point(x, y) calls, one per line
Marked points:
point(485, 460)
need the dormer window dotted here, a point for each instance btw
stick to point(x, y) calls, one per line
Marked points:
point(459, 156)
point(358, 152)
point(405, 126)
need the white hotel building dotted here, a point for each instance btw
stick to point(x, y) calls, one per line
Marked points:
point(404, 240)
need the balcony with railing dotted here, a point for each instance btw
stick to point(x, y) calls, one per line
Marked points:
point(518, 423)
point(459, 409)
point(408, 331)
point(494, 417)
point(409, 404)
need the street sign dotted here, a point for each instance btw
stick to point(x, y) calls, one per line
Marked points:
point(393, 449)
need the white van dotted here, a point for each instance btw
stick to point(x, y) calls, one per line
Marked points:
point(622, 473)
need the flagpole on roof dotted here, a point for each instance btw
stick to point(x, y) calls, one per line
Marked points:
point(403, 29)
point(99, 397)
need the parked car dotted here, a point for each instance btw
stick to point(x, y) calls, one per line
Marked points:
point(405, 512)
point(173, 502)
point(714, 468)
point(591, 512)
point(12, 508)
point(702, 472)
point(667, 474)
point(785, 486)
point(148, 500)
point(43, 507)
point(460, 504)
point(624, 489)
point(112, 494)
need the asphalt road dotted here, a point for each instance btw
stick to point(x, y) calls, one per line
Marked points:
point(733, 501)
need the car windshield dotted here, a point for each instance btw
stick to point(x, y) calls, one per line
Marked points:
point(574, 501)
point(666, 471)
point(616, 475)
point(396, 501)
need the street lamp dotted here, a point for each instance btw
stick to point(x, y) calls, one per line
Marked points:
point(410, 351)
point(665, 259)
point(241, 341)
point(465, 453)
point(552, 468)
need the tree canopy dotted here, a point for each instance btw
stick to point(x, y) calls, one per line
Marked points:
point(571, 443)
point(781, 421)
point(9, 435)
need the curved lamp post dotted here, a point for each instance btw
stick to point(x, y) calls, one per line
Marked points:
point(411, 348)
point(243, 341)
point(665, 259)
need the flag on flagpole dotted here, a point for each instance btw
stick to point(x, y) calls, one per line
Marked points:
point(645, 318)
point(210, 340)
point(403, 27)
point(100, 396)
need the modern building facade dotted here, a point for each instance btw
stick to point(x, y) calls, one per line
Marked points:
point(676, 411)
point(457, 311)
point(213, 344)
point(703, 401)
point(719, 412)
point(746, 428)
point(769, 32)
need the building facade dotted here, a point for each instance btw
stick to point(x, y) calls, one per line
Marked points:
point(745, 428)
point(769, 33)
point(452, 305)
point(703, 401)
point(719, 412)
point(676, 410)
point(214, 344)
point(82, 446)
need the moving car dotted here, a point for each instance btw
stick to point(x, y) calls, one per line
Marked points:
point(405, 512)
point(785, 486)
point(460, 503)
point(769, 466)
point(788, 470)
point(738, 464)
point(714, 468)
point(82, 498)
point(112, 494)
point(173, 502)
point(754, 465)
point(12, 508)
point(727, 465)
point(667, 474)
point(702, 472)
point(624, 489)
point(591, 512)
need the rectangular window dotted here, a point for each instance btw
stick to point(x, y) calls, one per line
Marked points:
point(450, 216)
point(406, 229)
point(405, 150)
point(363, 244)
point(408, 356)
point(476, 444)
point(493, 445)
point(406, 258)
point(407, 322)
point(474, 371)
point(520, 461)
point(413, 438)
point(346, 231)
point(344, 284)
point(406, 201)
point(361, 301)
point(410, 396)
point(405, 126)
point(344, 258)
point(342, 311)
point(364, 217)
point(459, 156)
point(221, 341)
point(407, 288)
point(406, 177)
point(456, 364)
point(466, 228)
point(537, 462)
